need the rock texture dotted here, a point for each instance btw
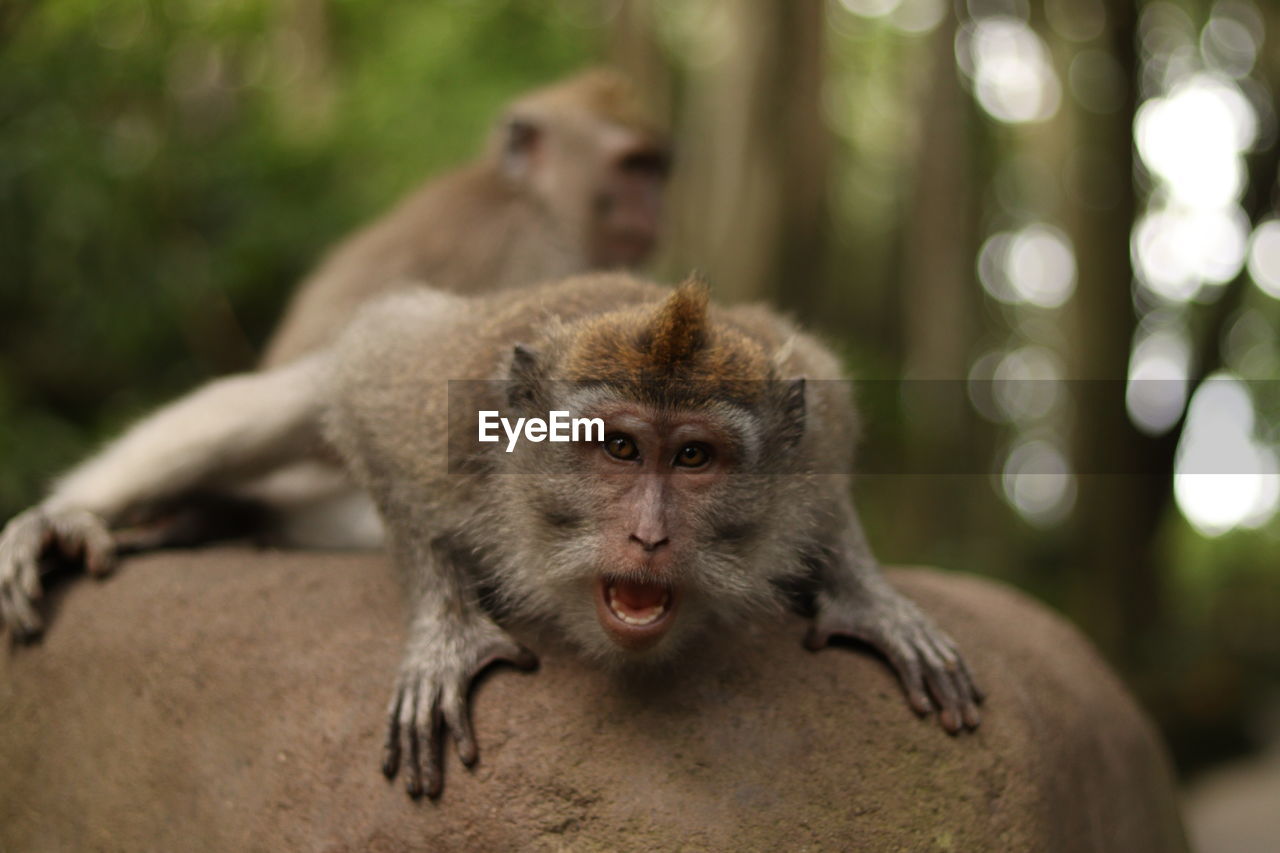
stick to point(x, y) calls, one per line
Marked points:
point(233, 700)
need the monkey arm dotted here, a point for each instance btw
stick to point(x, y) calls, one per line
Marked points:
point(219, 433)
point(451, 640)
point(854, 600)
point(226, 430)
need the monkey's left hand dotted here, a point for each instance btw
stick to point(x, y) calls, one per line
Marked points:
point(921, 653)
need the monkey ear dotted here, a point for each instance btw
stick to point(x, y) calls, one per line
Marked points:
point(521, 139)
point(791, 412)
point(523, 377)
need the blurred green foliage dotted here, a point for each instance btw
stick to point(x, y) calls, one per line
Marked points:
point(169, 170)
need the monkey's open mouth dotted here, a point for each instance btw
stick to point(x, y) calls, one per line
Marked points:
point(635, 614)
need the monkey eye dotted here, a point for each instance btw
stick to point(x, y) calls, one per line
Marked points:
point(646, 162)
point(693, 455)
point(622, 447)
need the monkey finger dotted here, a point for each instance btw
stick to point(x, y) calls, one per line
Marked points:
point(938, 649)
point(413, 780)
point(457, 718)
point(431, 743)
point(97, 545)
point(99, 562)
point(978, 694)
point(911, 675)
point(968, 694)
point(29, 578)
point(22, 619)
point(965, 683)
point(944, 692)
point(425, 743)
point(966, 708)
point(391, 748)
point(408, 715)
point(972, 716)
point(951, 670)
point(100, 553)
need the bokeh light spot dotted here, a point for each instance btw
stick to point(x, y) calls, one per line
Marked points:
point(1264, 257)
point(1156, 392)
point(1027, 384)
point(1033, 266)
point(1009, 66)
point(1224, 478)
point(1038, 482)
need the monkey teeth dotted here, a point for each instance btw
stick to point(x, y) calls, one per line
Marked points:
point(645, 617)
point(634, 614)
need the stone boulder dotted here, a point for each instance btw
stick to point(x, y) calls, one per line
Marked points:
point(233, 700)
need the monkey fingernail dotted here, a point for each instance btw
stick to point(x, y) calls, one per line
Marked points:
point(950, 721)
point(434, 784)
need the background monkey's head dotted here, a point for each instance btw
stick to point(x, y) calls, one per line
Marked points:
point(586, 149)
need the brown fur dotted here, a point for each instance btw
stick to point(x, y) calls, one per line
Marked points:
point(482, 228)
point(673, 349)
point(679, 329)
point(597, 94)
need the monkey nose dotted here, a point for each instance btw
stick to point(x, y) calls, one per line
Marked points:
point(650, 543)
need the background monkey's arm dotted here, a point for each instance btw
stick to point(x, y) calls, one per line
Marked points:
point(228, 429)
point(219, 433)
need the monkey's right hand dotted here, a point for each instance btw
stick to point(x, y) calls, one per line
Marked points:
point(431, 695)
point(76, 533)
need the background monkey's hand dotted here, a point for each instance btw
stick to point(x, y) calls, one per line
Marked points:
point(923, 655)
point(431, 695)
point(76, 533)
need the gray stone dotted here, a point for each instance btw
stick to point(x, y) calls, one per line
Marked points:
point(233, 700)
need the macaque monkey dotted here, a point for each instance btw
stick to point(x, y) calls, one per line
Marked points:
point(718, 478)
point(570, 181)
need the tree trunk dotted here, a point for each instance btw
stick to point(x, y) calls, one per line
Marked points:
point(1116, 587)
point(748, 204)
point(940, 300)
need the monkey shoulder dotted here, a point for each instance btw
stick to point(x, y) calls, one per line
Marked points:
point(399, 330)
point(390, 369)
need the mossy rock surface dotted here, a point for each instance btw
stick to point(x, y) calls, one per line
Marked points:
point(233, 700)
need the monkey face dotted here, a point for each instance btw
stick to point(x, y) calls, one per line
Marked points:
point(684, 512)
point(654, 534)
point(656, 474)
point(627, 207)
point(591, 155)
